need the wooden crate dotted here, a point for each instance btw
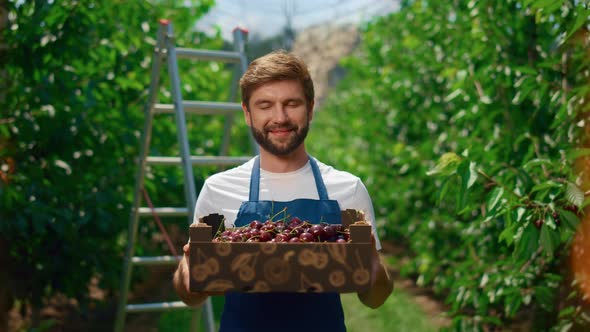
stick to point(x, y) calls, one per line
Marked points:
point(280, 267)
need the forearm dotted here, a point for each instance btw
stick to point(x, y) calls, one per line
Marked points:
point(181, 287)
point(375, 296)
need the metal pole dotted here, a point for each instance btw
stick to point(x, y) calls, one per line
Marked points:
point(134, 218)
point(239, 69)
point(189, 181)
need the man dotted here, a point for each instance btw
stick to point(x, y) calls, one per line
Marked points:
point(277, 101)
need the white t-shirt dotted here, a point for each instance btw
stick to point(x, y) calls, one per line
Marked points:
point(224, 192)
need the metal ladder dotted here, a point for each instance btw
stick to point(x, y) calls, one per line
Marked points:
point(165, 47)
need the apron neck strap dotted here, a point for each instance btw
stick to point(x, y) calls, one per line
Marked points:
point(255, 180)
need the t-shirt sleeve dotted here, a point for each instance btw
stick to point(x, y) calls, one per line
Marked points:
point(364, 203)
point(204, 205)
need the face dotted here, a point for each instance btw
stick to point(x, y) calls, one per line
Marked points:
point(279, 116)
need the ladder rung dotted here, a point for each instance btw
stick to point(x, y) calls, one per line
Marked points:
point(163, 212)
point(201, 107)
point(156, 260)
point(212, 160)
point(161, 306)
point(208, 55)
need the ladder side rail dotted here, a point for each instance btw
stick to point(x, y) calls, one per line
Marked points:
point(244, 66)
point(139, 178)
point(189, 185)
point(239, 70)
point(189, 181)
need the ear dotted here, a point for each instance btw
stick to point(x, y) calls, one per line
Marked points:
point(310, 112)
point(246, 115)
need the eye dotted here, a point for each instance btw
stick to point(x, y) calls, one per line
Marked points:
point(264, 106)
point(293, 103)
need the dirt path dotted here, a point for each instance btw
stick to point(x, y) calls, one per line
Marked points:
point(423, 297)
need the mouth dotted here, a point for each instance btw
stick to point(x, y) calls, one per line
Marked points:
point(280, 132)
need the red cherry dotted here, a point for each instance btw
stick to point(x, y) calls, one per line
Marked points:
point(265, 236)
point(268, 228)
point(297, 231)
point(341, 240)
point(330, 233)
point(318, 232)
point(295, 222)
point(294, 240)
point(281, 238)
point(306, 237)
point(255, 224)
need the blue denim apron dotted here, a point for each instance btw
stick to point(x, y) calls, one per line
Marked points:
point(285, 311)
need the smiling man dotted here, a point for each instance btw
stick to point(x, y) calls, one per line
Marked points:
point(277, 102)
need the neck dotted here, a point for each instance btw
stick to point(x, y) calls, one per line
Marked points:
point(283, 164)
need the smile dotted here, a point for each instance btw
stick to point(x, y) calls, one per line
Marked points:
point(281, 131)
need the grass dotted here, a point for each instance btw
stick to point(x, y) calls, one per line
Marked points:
point(175, 321)
point(398, 313)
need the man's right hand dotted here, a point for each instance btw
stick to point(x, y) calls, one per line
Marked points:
point(181, 281)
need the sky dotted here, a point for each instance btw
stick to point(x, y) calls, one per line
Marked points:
point(264, 18)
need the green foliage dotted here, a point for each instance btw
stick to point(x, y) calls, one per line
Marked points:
point(78, 74)
point(461, 117)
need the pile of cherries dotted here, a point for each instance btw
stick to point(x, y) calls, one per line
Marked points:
point(292, 231)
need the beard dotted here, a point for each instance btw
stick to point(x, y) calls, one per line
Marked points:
point(262, 137)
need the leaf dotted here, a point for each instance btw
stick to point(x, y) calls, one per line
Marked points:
point(520, 213)
point(514, 302)
point(570, 219)
point(507, 234)
point(549, 221)
point(566, 327)
point(528, 243)
point(494, 197)
point(549, 239)
point(544, 296)
point(536, 162)
point(581, 18)
point(577, 153)
point(574, 195)
point(567, 311)
point(447, 164)
point(525, 179)
point(443, 190)
point(468, 174)
point(546, 185)
point(472, 175)
point(453, 95)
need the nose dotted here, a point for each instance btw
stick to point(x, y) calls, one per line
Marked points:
point(280, 114)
